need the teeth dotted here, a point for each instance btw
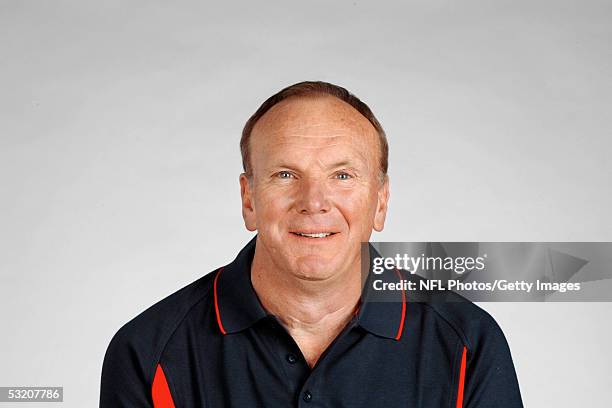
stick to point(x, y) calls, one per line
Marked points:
point(315, 235)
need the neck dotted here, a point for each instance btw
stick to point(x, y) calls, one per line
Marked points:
point(314, 312)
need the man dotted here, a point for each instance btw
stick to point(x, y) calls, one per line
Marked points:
point(288, 322)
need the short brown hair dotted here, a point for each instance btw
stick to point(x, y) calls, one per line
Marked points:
point(313, 88)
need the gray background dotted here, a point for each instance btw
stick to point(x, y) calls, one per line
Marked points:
point(119, 156)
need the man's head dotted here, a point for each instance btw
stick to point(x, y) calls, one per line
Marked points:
point(315, 183)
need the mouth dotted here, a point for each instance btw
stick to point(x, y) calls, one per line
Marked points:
point(314, 235)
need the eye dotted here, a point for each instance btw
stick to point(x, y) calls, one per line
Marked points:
point(284, 174)
point(343, 176)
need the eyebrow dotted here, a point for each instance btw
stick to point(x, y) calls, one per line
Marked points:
point(343, 163)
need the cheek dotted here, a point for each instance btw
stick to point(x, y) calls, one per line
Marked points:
point(357, 207)
point(271, 207)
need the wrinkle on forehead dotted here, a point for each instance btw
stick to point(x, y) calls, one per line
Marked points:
point(313, 123)
point(323, 154)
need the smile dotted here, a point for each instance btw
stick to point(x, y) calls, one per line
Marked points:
point(314, 234)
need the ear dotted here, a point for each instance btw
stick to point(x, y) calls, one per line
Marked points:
point(381, 207)
point(248, 210)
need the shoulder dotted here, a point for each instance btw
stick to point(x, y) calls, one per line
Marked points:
point(485, 357)
point(472, 324)
point(142, 340)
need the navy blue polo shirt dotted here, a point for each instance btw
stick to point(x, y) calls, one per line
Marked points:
point(212, 344)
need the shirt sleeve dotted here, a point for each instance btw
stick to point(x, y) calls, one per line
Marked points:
point(126, 375)
point(489, 377)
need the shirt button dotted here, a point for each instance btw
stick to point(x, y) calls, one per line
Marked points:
point(307, 396)
point(291, 358)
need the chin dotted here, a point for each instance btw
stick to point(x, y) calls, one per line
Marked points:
point(313, 268)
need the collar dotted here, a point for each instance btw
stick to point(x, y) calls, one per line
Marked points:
point(382, 313)
point(237, 306)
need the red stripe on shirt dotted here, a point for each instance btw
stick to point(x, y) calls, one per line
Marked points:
point(217, 303)
point(401, 325)
point(160, 390)
point(461, 378)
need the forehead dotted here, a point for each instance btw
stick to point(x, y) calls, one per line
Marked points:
point(319, 124)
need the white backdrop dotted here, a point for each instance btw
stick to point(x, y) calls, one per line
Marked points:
point(119, 160)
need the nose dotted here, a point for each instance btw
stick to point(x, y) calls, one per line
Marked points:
point(312, 197)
